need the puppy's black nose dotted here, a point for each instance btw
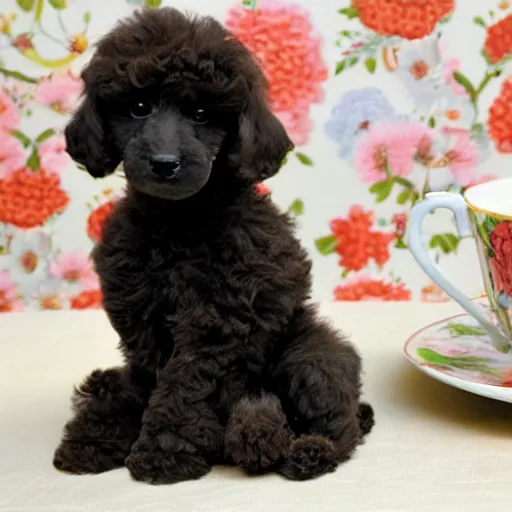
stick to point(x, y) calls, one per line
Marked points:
point(165, 166)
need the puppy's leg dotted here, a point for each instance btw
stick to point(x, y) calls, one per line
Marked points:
point(318, 378)
point(181, 435)
point(108, 408)
point(258, 437)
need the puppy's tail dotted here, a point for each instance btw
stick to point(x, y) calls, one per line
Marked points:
point(366, 418)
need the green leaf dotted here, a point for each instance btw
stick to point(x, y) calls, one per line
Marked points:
point(87, 17)
point(382, 189)
point(447, 242)
point(349, 12)
point(326, 245)
point(39, 10)
point(58, 4)
point(304, 159)
point(490, 223)
point(404, 196)
point(24, 139)
point(45, 135)
point(152, 3)
point(431, 122)
point(370, 64)
point(345, 64)
point(464, 81)
point(18, 76)
point(478, 20)
point(400, 244)
point(26, 5)
point(464, 330)
point(33, 160)
point(297, 207)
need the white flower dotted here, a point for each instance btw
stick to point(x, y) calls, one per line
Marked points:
point(455, 112)
point(420, 68)
point(28, 257)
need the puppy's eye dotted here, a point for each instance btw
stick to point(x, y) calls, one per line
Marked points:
point(200, 116)
point(141, 109)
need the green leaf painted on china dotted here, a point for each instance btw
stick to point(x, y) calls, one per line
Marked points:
point(469, 363)
point(58, 4)
point(87, 17)
point(431, 122)
point(26, 5)
point(400, 244)
point(382, 189)
point(457, 330)
point(447, 242)
point(490, 223)
point(303, 159)
point(349, 12)
point(33, 160)
point(24, 139)
point(152, 3)
point(297, 207)
point(478, 20)
point(370, 64)
point(45, 135)
point(464, 81)
point(326, 245)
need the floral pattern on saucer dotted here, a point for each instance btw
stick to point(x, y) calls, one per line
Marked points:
point(459, 347)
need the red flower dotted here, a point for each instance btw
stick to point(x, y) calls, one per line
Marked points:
point(88, 299)
point(23, 42)
point(367, 288)
point(498, 43)
point(283, 40)
point(97, 218)
point(399, 220)
point(356, 243)
point(410, 19)
point(500, 118)
point(501, 262)
point(507, 380)
point(29, 198)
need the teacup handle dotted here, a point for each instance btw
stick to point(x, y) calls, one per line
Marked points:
point(457, 204)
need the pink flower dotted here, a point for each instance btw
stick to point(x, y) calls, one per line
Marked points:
point(449, 67)
point(283, 40)
point(462, 158)
point(59, 92)
point(9, 112)
point(12, 156)
point(74, 267)
point(389, 148)
point(9, 296)
point(52, 154)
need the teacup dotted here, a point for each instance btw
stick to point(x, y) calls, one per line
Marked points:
point(484, 212)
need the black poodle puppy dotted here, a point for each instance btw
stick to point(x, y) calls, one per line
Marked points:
point(202, 277)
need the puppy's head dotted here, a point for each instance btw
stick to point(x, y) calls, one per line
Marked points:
point(177, 100)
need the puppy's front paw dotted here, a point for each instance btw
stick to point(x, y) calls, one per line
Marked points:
point(158, 467)
point(87, 457)
point(309, 457)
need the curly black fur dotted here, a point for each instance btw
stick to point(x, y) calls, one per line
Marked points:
point(203, 279)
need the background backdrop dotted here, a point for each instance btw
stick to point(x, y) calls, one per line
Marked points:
point(385, 100)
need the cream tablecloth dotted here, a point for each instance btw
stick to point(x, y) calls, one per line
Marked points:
point(434, 448)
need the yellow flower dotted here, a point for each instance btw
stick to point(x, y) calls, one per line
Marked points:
point(79, 43)
point(5, 23)
point(504, 5)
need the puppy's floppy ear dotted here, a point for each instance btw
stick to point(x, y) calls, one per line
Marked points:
point(87, 143)
point(262, 142)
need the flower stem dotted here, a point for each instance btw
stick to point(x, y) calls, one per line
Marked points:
point(17, 75)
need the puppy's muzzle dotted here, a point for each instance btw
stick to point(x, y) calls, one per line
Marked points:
point(165, 166)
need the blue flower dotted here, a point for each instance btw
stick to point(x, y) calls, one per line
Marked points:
point(353, 115)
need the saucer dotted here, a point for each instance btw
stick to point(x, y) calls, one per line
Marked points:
point(458, 352)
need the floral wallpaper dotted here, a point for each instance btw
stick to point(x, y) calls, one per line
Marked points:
point(385, 100)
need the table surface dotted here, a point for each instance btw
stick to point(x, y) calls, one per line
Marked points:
point(433, 448)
